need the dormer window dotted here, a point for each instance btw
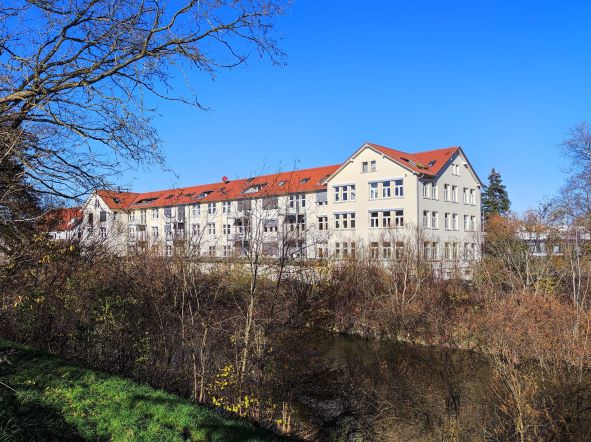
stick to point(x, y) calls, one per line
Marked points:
point(254, 188)
point(304, 180)
point(281, 183)
point(203, 194)
point(369, 166)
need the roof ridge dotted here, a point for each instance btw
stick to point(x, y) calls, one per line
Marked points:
point(180, 189)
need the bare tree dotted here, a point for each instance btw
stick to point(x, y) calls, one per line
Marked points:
point(575, 199)
point(80, 77)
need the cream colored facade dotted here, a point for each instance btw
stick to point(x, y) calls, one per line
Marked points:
point(372, 203)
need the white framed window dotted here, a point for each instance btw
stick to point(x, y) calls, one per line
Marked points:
point(455, 169)
point(196, 209)
point(97, 203)
point(196, 229)
point(455, 250)
point(399, 218)
point(426, 190)
point(454, 194)
point(447, 250)
point(473, 197)
point(168, 250)
point(374, 219)
point(211, 251)
point(386, 219)
point(473, 223)
point(211, 228)
point(226, 206)
point(434, 250)
point(132, 233)
point(426, 219)
point(399, 188)
point(155, 213)
point(434, 220)
point(374, 250)
point(103, 232)
point(434, 191)
point(344, 193)
point(373, 191)
point(322, 223)
point(454, 221)
point(131, 216)
point(365, 167)
point(337, 249)
point(226, 251)
point(466, 223)
point(155, 232)
point(226, 229)
point(211, 208)
point(297, 200)
point(447, 221)
point(373, 165)
point(344, 220)
point(446, 192)
point(386, 250)
point(386, 189)
point(168, 231)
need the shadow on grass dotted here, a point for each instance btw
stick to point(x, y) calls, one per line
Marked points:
point(215, 426)
point(32, 421)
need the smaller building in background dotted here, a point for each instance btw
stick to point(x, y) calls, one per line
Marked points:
point(64, 223)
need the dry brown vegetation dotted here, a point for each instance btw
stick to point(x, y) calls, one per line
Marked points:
point(248, 342)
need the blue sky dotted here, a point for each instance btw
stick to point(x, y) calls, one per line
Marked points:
point(503, 79)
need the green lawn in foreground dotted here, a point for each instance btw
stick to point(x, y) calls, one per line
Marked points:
point(58, 400)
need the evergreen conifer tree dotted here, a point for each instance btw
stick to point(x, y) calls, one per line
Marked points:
point(495, 200)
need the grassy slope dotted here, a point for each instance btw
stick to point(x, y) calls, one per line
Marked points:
point(61, 400)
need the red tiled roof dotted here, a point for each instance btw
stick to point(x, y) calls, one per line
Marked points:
point(62, 219)
point(427, 163)
point(305, 180)
point(117, 200)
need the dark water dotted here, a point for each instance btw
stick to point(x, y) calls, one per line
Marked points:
point(351, 388)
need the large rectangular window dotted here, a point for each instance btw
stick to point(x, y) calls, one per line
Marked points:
point(344, 220)
point(297, 200)
point(373, 191)
point(398, 188)
point(344, 193)
point(374, 219)
point(386, 189)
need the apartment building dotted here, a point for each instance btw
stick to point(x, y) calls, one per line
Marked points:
point(378, 201)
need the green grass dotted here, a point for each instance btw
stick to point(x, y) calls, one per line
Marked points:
point(55, 399)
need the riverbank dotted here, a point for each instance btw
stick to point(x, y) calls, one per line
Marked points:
point(49, 398)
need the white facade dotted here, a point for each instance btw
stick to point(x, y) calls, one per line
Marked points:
point(373, 202)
